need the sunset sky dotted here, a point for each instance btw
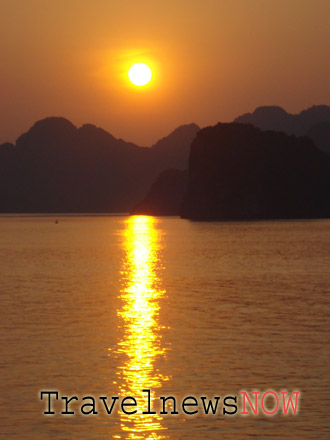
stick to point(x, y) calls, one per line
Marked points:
point(211, 61)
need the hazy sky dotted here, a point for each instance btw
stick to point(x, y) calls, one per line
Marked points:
point(211, 59)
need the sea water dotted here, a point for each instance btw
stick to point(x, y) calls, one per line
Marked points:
point(114, 305)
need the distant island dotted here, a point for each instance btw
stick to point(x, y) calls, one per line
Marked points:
point(253, 168)
point(239, 172)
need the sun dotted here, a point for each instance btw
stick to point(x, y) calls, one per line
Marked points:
point(139, 74)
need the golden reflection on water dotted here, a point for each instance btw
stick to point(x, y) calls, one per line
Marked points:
point(141, 344)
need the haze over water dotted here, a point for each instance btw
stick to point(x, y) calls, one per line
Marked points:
point(108, 306)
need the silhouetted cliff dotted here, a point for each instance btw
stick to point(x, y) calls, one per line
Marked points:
point(275, 118)
point(165, 195)
point(55, 167)
point(238, 172)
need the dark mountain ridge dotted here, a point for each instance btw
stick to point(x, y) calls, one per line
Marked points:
point(57, 167)
point(277, 119)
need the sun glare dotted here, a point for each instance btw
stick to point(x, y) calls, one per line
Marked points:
point(139, 74)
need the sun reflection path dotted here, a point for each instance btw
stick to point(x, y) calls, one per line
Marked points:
point(141, 343)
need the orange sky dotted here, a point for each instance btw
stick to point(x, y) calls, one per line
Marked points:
point(212, 60)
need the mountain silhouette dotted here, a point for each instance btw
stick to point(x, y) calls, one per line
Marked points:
point(239, 172)
point(246, 172)
point(56, 167)
point(277, 119)
point(165, 195)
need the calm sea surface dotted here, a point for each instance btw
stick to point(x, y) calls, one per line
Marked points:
point(109, 306)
